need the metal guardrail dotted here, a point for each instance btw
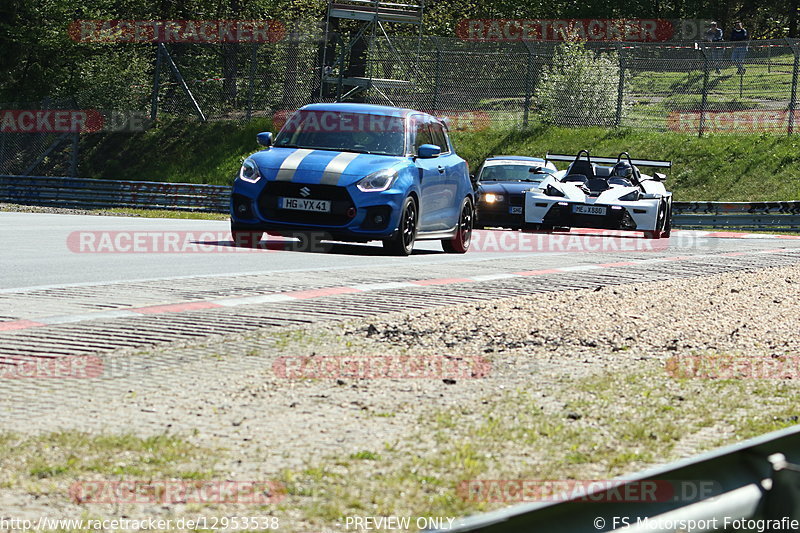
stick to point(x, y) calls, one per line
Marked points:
point(103, 194)
point(758, 479)
point(778, 216)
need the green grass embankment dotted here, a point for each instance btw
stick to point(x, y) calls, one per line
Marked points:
point(757, 167)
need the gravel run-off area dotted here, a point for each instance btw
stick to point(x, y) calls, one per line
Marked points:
point(586, 384)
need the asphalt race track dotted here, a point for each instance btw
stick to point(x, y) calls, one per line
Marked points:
point(37, 253)
point(79, 285)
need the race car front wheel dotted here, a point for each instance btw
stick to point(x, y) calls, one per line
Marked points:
point(661, 223)
point(459, 244)
point(403, 241)
point(668, 220)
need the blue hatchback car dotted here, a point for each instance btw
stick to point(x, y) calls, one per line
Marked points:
point(356, 172)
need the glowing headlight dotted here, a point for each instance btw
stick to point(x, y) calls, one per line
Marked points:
point(249, 171)
point(378, 181)
point(491, 198)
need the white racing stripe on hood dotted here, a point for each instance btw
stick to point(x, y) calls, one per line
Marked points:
point(290, 164)
point(335, 168)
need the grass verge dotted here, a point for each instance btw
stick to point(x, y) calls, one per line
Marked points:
point(39, 463)
point(602, 426)
point(756, 167)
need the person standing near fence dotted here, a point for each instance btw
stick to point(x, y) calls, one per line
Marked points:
point(714, 35)
point(740, 36)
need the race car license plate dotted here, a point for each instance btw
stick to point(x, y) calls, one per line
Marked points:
point(304, 204)
point(515, 209)
point(589, 209)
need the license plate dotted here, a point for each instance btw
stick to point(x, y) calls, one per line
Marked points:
point(304, 204)
point(515, 209)
point(589, 209)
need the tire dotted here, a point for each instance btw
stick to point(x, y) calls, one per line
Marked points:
point(403, 241)
point(657, 233)
point(459, 244)
point(668, 221)
point(245, 238)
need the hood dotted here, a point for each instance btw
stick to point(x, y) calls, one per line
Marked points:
point(575, 193)
point(321, 166)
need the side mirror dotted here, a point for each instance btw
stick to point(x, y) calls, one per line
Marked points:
point(660, 177)
point(427, 151)
point(264, 138)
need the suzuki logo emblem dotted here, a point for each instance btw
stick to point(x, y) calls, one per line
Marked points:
point(305, 191)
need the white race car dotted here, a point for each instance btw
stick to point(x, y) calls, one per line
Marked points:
point(602, 193)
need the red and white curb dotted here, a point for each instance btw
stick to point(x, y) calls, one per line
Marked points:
point(693, 232)
point(181, 307)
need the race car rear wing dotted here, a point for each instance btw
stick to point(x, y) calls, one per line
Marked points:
point(611, 160)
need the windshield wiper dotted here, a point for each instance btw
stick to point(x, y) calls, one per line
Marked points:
point(288, 146)
point(331, 149)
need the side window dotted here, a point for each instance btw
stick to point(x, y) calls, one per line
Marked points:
point(422, 133)
point(439, 137)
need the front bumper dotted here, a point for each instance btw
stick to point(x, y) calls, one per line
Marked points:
point(616, 217)
point(354, 216)
point(505, 214)
point(545, 210)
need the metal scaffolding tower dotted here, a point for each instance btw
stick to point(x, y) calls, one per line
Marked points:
point(349, 71)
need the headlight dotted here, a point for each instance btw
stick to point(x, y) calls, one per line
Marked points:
point(632, 196)
point(249, 171)
point(553, 191)
point(377, 181)
point(491, 198)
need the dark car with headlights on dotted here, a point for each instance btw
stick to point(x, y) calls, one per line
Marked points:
point(501, 184)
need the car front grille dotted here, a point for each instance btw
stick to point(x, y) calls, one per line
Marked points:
point(340, 200)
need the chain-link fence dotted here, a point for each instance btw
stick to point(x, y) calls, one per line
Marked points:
point(689, 87)
point(698, 87)
point(686, 87)
point(42, 150)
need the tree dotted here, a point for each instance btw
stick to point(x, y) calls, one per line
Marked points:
point(579, 87)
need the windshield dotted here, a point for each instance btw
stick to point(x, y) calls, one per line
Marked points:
point(344, 132)
point(515, 173)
